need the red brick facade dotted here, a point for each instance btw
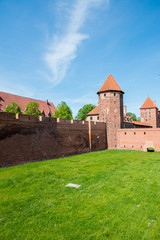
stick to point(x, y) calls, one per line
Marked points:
point(27, 139)
point(111, 112)
point(139, 139)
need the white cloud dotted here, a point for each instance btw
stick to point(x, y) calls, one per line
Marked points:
point(62, 49)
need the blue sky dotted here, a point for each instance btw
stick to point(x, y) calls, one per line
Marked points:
point(65, 49)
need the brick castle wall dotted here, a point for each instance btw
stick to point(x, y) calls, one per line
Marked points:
point(139, 139)
point(26, 139)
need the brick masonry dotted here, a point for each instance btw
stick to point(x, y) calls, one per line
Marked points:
point(26, 139)
point(139, 139)
point(111, 112)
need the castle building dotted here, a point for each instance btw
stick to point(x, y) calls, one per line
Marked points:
point(150, 113)
point(110, 110)
point(47, 108)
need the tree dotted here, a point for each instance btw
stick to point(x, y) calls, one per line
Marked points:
point(13, 108)
point(133, 116)
point(63, 111)
point(82, 113)
point(32, 108)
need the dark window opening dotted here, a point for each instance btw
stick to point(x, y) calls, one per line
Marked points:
point(105, 95)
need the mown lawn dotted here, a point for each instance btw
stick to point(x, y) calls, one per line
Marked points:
point(119, 198)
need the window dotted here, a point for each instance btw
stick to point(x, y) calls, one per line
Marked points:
point(149, 119)
point(97, 118)
point(146, 120)
point(114, 94)
point(149, 116)
point(105, 95)
point(91, 118)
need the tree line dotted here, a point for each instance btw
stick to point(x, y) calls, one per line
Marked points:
point(62, 111)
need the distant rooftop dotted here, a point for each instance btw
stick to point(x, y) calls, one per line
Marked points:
point(148, 104)
point(44, 106)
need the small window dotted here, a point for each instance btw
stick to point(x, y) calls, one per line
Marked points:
point(97, 118)
point(146, 120)
point(125, 133)
point(91, 118)
point(114, 94)
point(149, 119)
point(149, 116)
point(134, 133)
point(132, 146)
point(105, 95)
point(144, 133)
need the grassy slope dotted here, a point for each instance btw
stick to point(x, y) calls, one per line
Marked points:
point(35, 204)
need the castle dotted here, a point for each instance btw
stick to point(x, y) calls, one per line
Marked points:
point(110, 110)
point(26, 138)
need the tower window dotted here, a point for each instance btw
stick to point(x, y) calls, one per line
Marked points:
point(114, 94)
point(97, 118)
point(104, 94)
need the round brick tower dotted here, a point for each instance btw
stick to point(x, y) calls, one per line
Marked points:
point(111, 109)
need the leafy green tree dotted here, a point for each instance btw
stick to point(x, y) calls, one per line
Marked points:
point(133, 116)
point(82, 113)
point(63, 111)
point(13, 108)
point(32, 108)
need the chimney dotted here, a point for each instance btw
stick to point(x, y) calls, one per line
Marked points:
point(47, 101)
point(124, 109)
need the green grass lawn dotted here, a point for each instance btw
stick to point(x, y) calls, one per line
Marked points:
point(119, 198)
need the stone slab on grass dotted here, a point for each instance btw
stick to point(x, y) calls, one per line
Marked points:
point(73, 185)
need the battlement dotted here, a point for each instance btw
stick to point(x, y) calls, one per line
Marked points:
point(40, 119)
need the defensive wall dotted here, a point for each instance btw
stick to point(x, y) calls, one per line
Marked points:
point(28, 138)
point(139, 139)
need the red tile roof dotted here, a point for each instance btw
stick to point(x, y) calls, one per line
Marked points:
point(148, 104)
point(95, 111)
point(7, 98)
point(142, 124)
point(127, 118)
point(110, 85)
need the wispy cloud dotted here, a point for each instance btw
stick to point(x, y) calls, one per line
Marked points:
point(62, 49)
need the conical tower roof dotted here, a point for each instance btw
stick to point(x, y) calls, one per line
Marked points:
point(110, 85)
point(148, 104)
